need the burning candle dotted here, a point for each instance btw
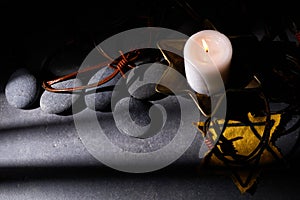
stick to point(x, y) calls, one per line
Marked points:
point(207, 58)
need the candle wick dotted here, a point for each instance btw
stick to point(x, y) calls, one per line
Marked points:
point(205, 46)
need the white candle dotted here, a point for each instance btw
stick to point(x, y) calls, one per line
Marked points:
point(207, 57)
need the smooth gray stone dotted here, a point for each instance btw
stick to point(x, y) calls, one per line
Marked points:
point(99, 99)
point(21, 89)
point(138, 118)
point(142, 127)
point(139, 111)
point(142, 80)
point(56, 103)
point(147, 92)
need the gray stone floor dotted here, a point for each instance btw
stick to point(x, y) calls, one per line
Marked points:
point(42, 157)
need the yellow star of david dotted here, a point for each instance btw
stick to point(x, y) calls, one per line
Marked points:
point(244, 148)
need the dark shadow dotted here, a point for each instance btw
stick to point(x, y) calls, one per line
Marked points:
point(91, 172)
point(246, 59)
point(175, 171)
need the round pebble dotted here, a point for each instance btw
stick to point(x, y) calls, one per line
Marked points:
point(138, 118)
point(139, 111)
point(99, 99)
point(142, 82)
point(56, 103)
point(21, 89)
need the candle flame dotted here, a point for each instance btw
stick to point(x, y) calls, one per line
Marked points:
point(205, 46)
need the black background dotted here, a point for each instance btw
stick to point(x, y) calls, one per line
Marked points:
point(31, 32)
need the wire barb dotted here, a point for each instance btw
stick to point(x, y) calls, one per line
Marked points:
point(121, 66)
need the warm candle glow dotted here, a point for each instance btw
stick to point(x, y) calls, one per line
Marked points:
point(205, 46)
point(207, 58)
